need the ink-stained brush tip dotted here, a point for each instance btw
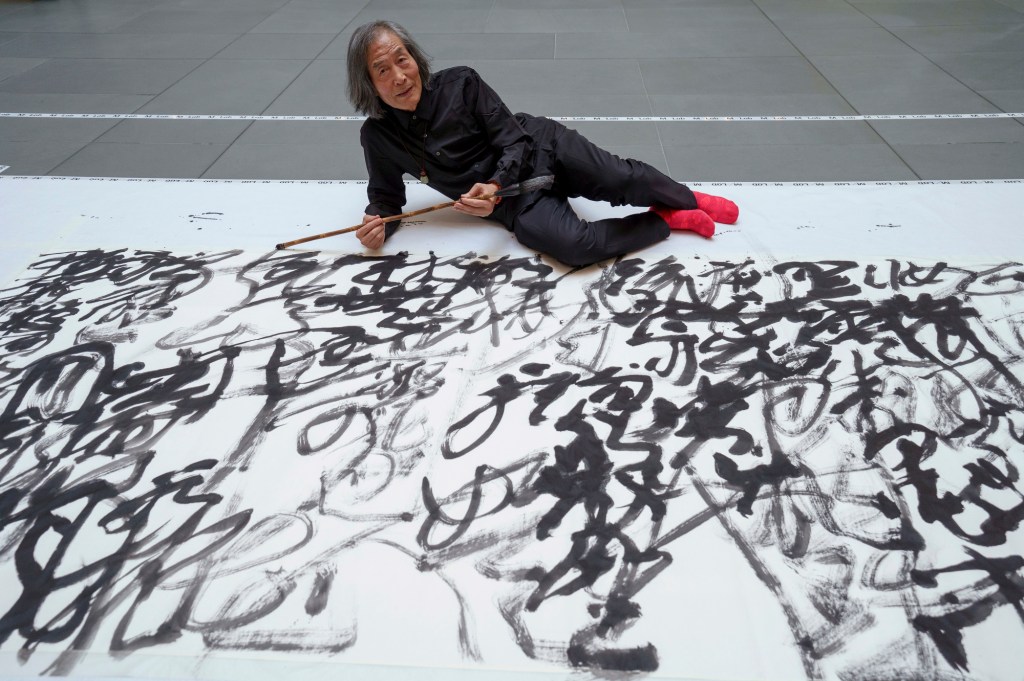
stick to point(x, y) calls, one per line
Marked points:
point(531, 185)
point(537, 183)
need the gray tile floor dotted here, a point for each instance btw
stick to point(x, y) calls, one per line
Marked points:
point(548, 57)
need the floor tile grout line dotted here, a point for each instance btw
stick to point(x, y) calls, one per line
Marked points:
point(827, 118)
point(204, 62)
point(1011, 7)
point(657, 130)
point(80, 149)
point(284, 89)
point(321, 52)
point(650, 104)
point(239, 37)
point(411, 183)
point(818, 71)
point(253, 122)
point(490, 13)
point(930, 61)
point(191, 71)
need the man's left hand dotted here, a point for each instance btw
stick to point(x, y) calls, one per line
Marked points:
point(471, 205)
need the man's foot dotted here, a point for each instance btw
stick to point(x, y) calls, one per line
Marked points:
point(720, 210)
point(689, 220)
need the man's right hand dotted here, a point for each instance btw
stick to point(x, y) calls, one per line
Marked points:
point(371, 234)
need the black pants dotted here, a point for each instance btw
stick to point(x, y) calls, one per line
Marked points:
point(582, 169)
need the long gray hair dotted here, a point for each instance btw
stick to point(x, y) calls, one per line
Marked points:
point(361, 91)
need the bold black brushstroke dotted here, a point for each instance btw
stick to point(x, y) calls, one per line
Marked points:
point(813, 407)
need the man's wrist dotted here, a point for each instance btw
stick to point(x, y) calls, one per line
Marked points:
point(497, 188)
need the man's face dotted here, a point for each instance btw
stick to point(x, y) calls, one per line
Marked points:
point(394, 72)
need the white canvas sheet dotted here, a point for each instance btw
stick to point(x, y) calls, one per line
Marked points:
point(791, 451)
point(977, 220)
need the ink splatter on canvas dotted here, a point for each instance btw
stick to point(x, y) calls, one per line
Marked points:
point(222, 452)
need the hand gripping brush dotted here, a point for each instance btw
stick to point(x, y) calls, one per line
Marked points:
point(531, 185)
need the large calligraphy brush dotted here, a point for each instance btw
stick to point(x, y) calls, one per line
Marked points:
point(531, 185)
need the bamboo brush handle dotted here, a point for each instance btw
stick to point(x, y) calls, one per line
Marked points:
point(402, 216)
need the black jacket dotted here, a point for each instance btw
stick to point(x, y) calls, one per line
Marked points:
point(461, 133)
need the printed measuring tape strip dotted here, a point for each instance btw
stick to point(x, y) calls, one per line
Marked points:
point(638, 119)
point(808, 183)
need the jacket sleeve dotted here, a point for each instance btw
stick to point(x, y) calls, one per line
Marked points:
point(504, 132)
point(385, 189)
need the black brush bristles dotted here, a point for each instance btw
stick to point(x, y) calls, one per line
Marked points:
point(532, 185)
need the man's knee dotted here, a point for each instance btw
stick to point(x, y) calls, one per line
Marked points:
point(577, 250)
point(579, 259)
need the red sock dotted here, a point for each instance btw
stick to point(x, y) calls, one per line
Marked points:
point(720, 210)
point(690, 220)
